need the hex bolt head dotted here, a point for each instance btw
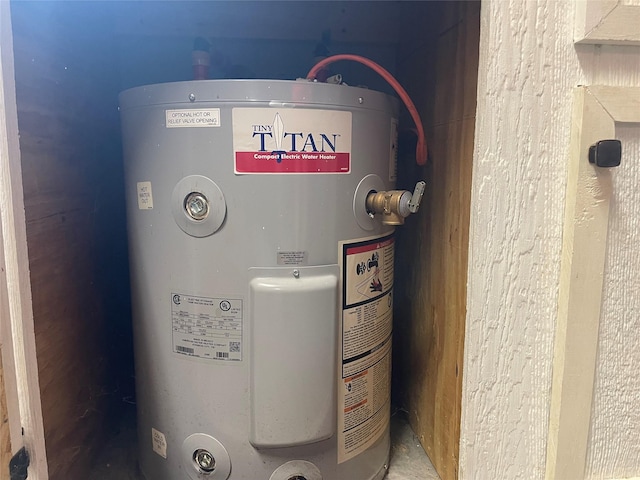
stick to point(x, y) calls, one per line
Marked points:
point(196, 205)
point(204, 460)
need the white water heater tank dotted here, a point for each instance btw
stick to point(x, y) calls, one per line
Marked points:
point(261, 285)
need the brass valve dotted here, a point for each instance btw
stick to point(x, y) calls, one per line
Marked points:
point(395, 205)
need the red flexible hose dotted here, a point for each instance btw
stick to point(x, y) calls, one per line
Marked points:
point(421, 148)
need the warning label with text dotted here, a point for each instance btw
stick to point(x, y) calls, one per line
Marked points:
point(367, 306)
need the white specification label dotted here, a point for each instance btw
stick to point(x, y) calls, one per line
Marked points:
point(145, 196)
point(189, 118)
point(206, 327)
point(292, 258)
point(367, 307)
point(159, 443)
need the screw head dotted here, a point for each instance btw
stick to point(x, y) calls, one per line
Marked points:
point(197, 206)
point(296, 273)
point(192, 97)
point(360, 100)
point(204, 460)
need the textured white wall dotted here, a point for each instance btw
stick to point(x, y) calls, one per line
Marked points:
point(528, 68)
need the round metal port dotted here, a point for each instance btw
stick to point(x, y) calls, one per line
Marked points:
point(296, 470)
point(365, 218)
point(202, 456)
point(199, 208)
point(204, 460)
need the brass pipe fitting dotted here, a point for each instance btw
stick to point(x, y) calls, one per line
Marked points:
point(393, 205)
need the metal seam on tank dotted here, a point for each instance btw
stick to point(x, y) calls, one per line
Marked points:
point(257, 103)
point(319, 89)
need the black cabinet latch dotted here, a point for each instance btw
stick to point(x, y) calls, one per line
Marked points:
point(18, 465)
point(606, 153)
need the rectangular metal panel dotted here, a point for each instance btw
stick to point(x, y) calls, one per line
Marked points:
point(293, 364)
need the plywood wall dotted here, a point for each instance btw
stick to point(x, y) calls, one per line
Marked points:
point(439, 67)
point(254, 39)
point(71, 164)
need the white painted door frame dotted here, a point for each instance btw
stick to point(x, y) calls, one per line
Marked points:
point(17, 336)
point(612, 22)
point(596, 111)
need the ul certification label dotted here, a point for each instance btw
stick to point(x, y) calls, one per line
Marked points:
point(208, 328)
point(364, 390)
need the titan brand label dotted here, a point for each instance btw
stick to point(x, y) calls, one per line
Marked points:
point(208, 328)
point(366, 327)
point(291, 140)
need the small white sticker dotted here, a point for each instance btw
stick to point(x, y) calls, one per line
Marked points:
point(145, 196)
point(292, 258)
point(189, 118)
point(159, 443)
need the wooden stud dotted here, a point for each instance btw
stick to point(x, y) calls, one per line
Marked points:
point(441, 72)
point(18, 339)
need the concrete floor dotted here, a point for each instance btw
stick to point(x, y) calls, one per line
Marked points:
point(118, 460)
point(408, 460)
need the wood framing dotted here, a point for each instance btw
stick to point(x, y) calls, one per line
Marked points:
point(70, 157)
point(441, 74)
point(612, 22)
point(17, 333)
point(5, 430)
point(595, 114)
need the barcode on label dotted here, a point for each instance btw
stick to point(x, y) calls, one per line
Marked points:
point(234, 347)
point(182, 349)
point(222, 355)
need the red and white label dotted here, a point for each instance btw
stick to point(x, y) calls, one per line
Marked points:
point(364, 388)
point(291, 140)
